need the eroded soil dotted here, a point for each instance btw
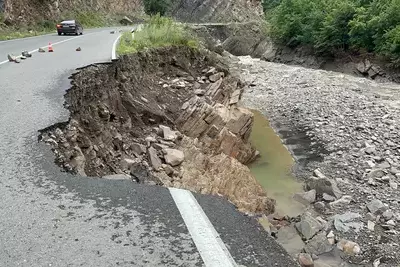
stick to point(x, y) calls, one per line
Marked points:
point(166, 116)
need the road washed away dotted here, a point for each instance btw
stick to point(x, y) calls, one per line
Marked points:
point(352, 127)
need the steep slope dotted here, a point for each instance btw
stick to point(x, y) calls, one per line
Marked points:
point(217, 10)
point(36, 10)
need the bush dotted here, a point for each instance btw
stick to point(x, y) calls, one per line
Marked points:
point(371, 25)
point(88, 19)
point(154, 7)
point(158, 32)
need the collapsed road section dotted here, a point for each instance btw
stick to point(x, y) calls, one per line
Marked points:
point(167, 116)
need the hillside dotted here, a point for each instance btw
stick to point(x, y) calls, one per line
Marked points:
point(28, 11)
point(217, 10)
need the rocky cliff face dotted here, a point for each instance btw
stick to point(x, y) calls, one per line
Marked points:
point(217, 10)
point(184, 10)
point(36, 10)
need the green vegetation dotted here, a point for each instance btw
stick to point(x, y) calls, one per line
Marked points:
point(154, 7)
point(333, 25)
point(12, 32)
point(158, 32)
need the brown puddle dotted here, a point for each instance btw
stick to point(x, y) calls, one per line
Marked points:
point(273, 168)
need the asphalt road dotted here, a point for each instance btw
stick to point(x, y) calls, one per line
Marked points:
point(50, 218)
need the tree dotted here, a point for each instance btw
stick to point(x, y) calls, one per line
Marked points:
point(154, 7)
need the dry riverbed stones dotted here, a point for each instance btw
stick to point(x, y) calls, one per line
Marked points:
point(351, 127)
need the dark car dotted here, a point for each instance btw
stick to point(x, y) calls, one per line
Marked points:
point(69, 27)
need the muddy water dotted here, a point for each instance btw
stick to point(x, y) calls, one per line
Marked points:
point(273, 168)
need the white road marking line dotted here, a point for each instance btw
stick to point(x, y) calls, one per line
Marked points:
point(114, 55)
point(114, 48)
point(63, 41)
point(211, 248)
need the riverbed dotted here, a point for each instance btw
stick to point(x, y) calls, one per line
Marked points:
point(273, 169)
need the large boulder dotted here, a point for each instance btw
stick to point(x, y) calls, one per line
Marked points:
point(308, 226)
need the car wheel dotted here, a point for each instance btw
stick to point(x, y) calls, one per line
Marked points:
point(59, 33)
point(81, 33)
point(76, 32)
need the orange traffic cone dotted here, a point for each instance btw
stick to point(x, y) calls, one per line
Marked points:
point(50, 48)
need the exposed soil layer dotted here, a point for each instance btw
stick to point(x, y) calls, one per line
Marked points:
point(166, 116)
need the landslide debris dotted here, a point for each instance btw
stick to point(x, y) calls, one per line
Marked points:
point(167, 116)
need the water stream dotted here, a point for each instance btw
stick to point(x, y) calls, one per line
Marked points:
point(273, 168)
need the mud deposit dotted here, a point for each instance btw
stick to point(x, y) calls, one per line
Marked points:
point(167, 117)
point(273, 169)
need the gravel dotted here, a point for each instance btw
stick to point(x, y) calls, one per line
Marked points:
point(351, 125)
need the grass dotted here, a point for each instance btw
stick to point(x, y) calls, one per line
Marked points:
point(158, 32)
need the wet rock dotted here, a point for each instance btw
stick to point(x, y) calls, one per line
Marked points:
point(308, 225)
point(117, 177)
point(305, 260)
point(323, 185)
point(41, 50)
point(318, 245)
point(376, 207)
point(168, 134)
point(306, 198)
point(290, 240)
point(346, 221)
point(154, 159)
point(348, 247)
point(173, 157)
